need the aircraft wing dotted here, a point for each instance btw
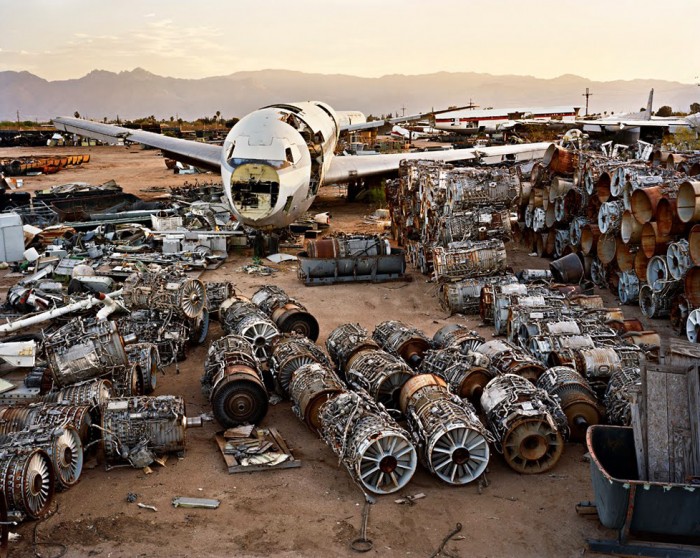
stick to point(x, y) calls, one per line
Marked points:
point(610, 124)
point(397, 120)
point(351, 167)
point(195, 153)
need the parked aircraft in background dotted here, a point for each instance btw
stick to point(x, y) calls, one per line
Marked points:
point(633, 123)
point(414, 132)
point(496, 120)
point(275, 159)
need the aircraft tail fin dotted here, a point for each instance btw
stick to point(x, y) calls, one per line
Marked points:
point(647, 114)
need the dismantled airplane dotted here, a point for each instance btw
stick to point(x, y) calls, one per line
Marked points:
point(496, 120)
point(275, 159)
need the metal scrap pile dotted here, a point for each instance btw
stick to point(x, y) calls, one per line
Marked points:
point(630, 225)
point(437, 205)
point(41, 165)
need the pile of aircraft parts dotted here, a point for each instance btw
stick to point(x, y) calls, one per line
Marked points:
point(631, 225)
point(343, 258)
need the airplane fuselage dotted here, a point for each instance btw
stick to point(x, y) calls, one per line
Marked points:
point(274, 159)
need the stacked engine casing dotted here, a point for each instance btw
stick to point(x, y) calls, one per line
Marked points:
point(629, 224)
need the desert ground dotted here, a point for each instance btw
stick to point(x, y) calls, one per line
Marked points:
point(314, 510)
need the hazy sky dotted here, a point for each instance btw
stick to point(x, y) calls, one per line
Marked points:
point(596, 39)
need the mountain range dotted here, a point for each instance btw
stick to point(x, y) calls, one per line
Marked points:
point(138, 93)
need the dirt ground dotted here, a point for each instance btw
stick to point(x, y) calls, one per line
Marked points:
point(313, 510)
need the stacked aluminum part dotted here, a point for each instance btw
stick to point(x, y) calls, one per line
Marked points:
point(85, 349)
point(165, 289)
point(312, 385)
point(457, 336)
point(144, 356)
point(577, 399)
point(478, 223)
point(452, 442)
point(346, 341)
point(402, 340)
point(136, 429)
point(558, 350)
point(528, 424)
point(528, 311)
point(290, 353)
point(288, 314)
point(534, 326)
point(464, 297)
point(624, 386)
point(466, 373)
point(233, 382)
point(62, 445)
point(166, 330)
point(379, 373)
point(28, 481)
point(507, 358)
point(241, 317)
point(217, 293)
point(374, 449)
point(21, 417)
point(469, 259)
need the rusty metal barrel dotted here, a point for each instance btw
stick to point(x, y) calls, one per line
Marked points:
point(311, 386)
point(568, 269)
point(694, 244)
point(688, 203)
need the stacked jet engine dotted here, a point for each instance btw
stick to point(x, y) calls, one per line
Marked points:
point(624, 224)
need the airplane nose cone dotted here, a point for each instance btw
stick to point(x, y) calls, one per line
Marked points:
point(255, 187)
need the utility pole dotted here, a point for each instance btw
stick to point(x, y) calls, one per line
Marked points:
point(586, 94)
point(18, 120)
point(403, 111)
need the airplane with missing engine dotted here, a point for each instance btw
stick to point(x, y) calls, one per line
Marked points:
point(497, 120)
point(274, 160)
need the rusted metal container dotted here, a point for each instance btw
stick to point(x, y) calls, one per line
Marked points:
point(630, 229)
point(694, 244)
point(589, 238)
point(568, 269)
point(688, 204)
point(644, 201)
point(653, 242)
point(667, 219)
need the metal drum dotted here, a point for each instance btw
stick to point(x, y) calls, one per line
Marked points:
point(510, 359)
point(467, 374)
point(577, 399)
point(374, 449)
point(244, 318)
point(28, 483)
point(291, 353)
point(85, 349)
point(402, 340)
point(134, 425)
point(453, 444)
point(62, 444)
point(345, 341)
point(233, 383)
point(312, 385)
point(381, 374)
point(529, 426)
point(288, 314)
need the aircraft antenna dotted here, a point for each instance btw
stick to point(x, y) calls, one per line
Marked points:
point(586, 94)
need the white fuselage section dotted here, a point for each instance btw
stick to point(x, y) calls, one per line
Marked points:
point(274, 159)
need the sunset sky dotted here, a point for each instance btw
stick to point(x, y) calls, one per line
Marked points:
point(596, 39)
